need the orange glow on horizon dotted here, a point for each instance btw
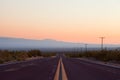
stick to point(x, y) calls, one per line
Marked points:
point(66, 20)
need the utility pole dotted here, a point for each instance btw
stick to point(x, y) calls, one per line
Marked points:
point(86, 47)
point(102, 38)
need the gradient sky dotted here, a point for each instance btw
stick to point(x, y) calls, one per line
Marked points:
point(66, 20)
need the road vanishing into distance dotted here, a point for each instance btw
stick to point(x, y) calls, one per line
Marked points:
point(45, 69)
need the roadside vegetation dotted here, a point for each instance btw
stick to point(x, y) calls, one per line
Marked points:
point(48, 54)
point(7, 56)
point(104, 55)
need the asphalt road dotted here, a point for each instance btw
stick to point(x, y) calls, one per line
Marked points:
point(81, 70)
point(44, 69)
point(40, 69)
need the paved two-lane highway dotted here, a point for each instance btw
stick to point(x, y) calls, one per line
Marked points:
point(45, 69)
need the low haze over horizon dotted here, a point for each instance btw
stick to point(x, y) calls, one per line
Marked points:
point(64, 20)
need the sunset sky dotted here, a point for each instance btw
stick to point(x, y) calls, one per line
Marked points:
point(66, 20)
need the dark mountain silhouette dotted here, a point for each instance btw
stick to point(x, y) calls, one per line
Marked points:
point(6, 42)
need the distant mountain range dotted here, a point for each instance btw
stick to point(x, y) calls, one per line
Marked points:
point(11, 43)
